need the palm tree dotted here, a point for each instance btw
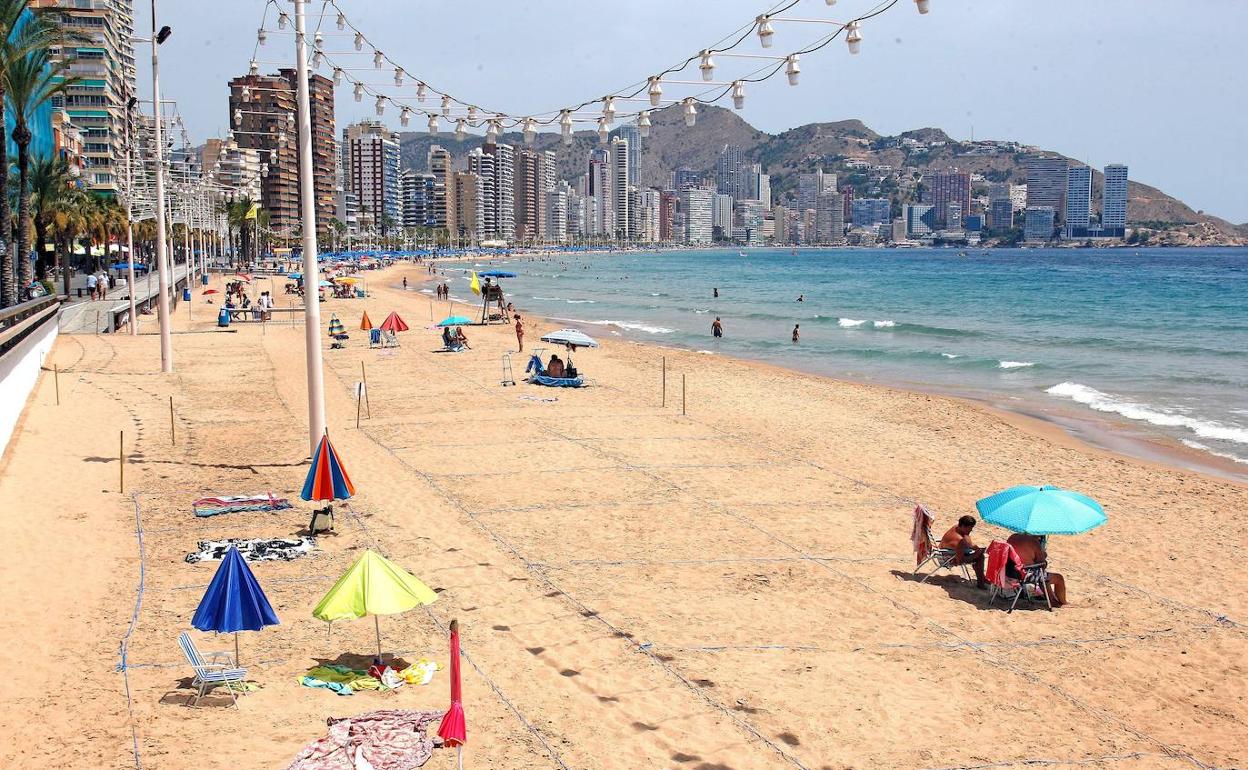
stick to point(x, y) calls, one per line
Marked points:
point(49, 191)
point(30, 82)
point(19, 37)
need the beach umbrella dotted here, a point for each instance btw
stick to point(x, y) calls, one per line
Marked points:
point(335, 326)
point(210, 291)
point(295, 276)
point(234, 601)
point(365, 322)
point(327, 479)
point(454, 728)
point(325, 285)
point(242, 277)
point(497, 274)
point(1044, 510)
point(573, 338)
point(393, 323)
point(375, 586)
point(455, 320)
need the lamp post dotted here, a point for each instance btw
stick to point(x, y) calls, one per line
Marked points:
point(162, 299)
point(311, 272)
point(134, 317)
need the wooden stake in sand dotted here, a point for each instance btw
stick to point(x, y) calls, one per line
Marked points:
point(358, 400)
point(364, 379)
point(56, 380)
point(664, 381)
point(682, 394)
point(121, 462)
point(173, 439)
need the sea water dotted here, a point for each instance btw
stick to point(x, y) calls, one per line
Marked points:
point(1155, 338)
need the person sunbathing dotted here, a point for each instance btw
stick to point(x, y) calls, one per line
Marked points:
point(958, 540)
point(1030, 549)
point(555, 367)
point(447, 340)
point(460, 338)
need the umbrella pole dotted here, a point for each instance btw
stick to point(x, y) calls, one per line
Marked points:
point(236, 648)
point(459, 756)
point(377, 624)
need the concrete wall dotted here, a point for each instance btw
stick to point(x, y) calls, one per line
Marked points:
point(19, 371)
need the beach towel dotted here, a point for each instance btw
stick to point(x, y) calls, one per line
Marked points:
point(260, 549)
point(921, 534)
point(1001, 553)
point(211, 506)
point(392, 739)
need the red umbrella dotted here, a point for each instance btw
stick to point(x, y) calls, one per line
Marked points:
point(210, 291)
point(393, 323)
point(454, 729)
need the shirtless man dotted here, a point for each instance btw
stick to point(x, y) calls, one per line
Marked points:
point(1031, 550)
point(958, 539)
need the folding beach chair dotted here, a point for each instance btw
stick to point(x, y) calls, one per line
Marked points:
point(926, 549)
point(374, 338)
point(219, 670)
point(389, 339)
point(1035, 577)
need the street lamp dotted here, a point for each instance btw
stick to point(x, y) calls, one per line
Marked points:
point(162, 299)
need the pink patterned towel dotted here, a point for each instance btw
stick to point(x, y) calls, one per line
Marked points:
point(391, 739)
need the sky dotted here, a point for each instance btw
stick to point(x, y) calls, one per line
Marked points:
point(1156, 85)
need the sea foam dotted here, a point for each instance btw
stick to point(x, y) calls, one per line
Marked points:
point(849, 323)
point(1014, 364)
point(1104, 402)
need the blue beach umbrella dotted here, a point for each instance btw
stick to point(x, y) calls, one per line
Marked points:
point(455, 320)
point(1045, 510)
point(234, 601)
point(496, 274)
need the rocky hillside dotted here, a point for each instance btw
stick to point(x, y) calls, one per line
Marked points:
point(836, 147)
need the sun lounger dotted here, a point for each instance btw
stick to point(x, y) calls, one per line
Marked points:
point(374, 337)
point(389, 339)
point(218, 671)
point(1032, 585)
point(926, 549)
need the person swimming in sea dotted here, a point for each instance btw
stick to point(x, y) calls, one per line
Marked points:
point(796, 333)
point(801, 297)
point(717, 328)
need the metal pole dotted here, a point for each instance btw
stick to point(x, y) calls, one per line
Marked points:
point(682, 394)
point(311, 272)
point(162, 299)
point(364, 383)
point(664, 381)
point(134, 316)
point(56, 379)
point(173, 438)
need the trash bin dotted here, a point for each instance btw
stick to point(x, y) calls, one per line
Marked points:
point(203, 280)
point(186, 294)
point(223, 317)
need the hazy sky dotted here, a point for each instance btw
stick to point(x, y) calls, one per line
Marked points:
point(1157, 85)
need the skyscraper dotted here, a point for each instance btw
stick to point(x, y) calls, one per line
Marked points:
point(530, 200)
point(684, 177)
point(1114, 203)
point(482, 164)
point(829, 218)
point(104, 65)
point(1078, 201)
point(1046, 181)
point(649, 215)
point(620, 183)
point(599, 212)
point(557, 213)
point(920, 219)
point(632, 134)
point(1038, 222)
point(443, 189)
point(504, 202)
point(946, 187)
point(721, 213)
point(418, 199)
point(695, 205)
point(811, 186)
point(371, 171)
point(868, 212)
point(729, 173)
point(468, 200)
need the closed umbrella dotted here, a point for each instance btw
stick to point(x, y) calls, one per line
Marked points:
point(234, 601)
point(454, 727)
point(365, 322)
point(335, 326)
point(375, 586)
point(327, 480)
point(1043, 510)
point(393, 323)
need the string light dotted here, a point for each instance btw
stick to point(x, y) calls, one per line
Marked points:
point(738, 95)
point(446, 106)
point(792, 69)
point(433, 125)
point(422, 91)
point(853, 36)
point(337, 76)
point(460, 132)
point(602, 131)
point(643, 124)
point(381, 105)
point(261, 36)
point(923, 5)
point(491, 132)
point(378, 58)
point(472, 114)
point(691, 112)
point(530, 131)
point(765, 31)
point(405, 116)
point(342, 21)
point(359, 92)
point(565, 126)
point(655, 91)
point(282, 20)
point(359, 41)
point(398, 76)
point(254, 69)
point(707, 66)
point(608, 109)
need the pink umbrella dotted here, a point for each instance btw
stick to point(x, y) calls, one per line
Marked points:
point(454, 728)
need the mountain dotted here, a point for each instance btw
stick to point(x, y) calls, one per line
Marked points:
point(831, 146)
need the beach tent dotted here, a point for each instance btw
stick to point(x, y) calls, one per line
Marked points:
point(393, 323)
point(454, 727)
point(375, 586)
point(366, 323)
point(234, 601)
point(1043, 510)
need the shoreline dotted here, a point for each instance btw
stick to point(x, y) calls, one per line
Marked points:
point(1117, 436)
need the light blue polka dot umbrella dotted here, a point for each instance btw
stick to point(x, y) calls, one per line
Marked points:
point(1045, 510)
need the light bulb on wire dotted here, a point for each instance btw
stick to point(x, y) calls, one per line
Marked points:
point(422, 91)
point(765, 31)
point(359, 41)
point(433, 125)
point(738, 94)
point(378, 58)
point(603, 131)
point(342, 21)
point(530, 131)
point(460, 132)
point(398, 76)
point(690, 111)
point(565, 126)
point(643, 124)
point(359, 92)
point(792, 69)
point(707, 66)
point(655, 91)
point(853, 36)
point(405, 116)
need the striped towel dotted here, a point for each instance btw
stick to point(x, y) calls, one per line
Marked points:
point(211, 506)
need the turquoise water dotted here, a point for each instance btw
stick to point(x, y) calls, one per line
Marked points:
point(1156, 338)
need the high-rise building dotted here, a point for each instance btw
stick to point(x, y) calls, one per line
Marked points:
point(530, 201)
point(868, 212)
point(1046, 181)
point(262, 111)
point(443, 189)
point(695, 205)
point(1078, 217)
point(370, 154)
point(684, 177)
point(811, 186)
point(829, 218)
point(751, 220)
point(784, 228)
point(721, 213)
point(730, 173)
point(620, 184)
point(557, 213)
point(632, 134)
point(1114, 201)
point(597, 183)
point(502, 187)
point(1001, 214)
point(668, 203)
point(576, 215)
point(102, 61)
point(920, 219)
point(1038, 223)
point(847, 203)
point(649, 215)
point(469, 203)
point(759, 185)
point(945, 188)
point(418, 199)
point(482, 164)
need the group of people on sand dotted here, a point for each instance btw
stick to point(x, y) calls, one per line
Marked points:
point(1030, 548)
point(443, 290)
point(453, 337)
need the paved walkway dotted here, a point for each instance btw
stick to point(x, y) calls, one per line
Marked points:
point(94, 316)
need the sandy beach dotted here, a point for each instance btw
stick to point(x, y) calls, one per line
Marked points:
point(724, 589)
